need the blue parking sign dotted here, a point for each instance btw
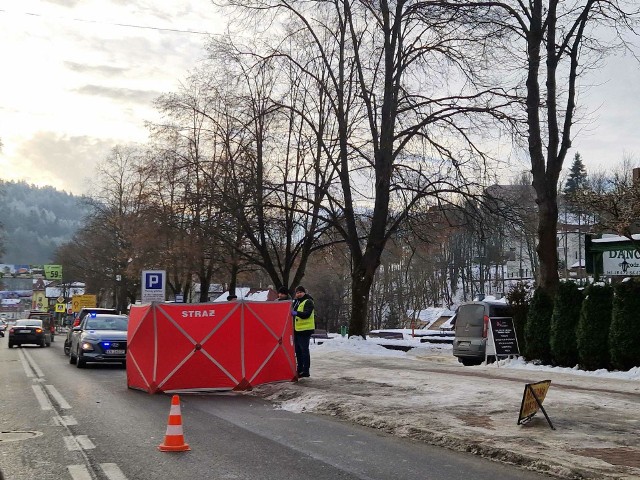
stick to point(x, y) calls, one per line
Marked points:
point(153, 285)
point(153, 281)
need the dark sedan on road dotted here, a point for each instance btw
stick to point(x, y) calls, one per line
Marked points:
point(99, 338)
point(28, 331)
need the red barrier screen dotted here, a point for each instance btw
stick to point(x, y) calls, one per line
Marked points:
point(179, 347)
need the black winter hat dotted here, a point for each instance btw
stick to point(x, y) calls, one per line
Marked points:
point(283, 290)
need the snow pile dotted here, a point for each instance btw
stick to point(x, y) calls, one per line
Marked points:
point(426, 395)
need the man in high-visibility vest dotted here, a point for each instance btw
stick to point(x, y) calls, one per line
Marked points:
point(303, 312)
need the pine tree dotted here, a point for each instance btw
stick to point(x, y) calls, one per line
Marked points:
point(577, 176)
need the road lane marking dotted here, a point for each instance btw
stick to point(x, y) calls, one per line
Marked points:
point(57, 396)
point(42, 398)
point(63, 420)
point(112, 471)
point(25, 364)
point(34, 365)
point(79, 472)
point(79, 442)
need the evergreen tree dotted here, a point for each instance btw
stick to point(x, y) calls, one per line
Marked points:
point(577, 176)
point(519, 297)
point(592, 334)
point(564, 321)
point(537, 328)
point(624, 335)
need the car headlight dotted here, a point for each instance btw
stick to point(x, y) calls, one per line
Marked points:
point(87, 347)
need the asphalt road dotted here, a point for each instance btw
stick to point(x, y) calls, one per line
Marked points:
point(61, 422)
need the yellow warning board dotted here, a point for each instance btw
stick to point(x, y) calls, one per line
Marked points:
point(78, 302)
point(534, 395)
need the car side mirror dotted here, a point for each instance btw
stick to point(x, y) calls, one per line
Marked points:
point(77, 329)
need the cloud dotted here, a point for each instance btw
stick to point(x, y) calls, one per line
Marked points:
point(103, 70)
point(63, 161)
point(64, 3)
point(127, 95)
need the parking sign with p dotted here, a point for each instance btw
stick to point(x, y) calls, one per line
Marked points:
point(153, 281)
point(153, 286)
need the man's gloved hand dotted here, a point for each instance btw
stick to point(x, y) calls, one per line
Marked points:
point(294, 313)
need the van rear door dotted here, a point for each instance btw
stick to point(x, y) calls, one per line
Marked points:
point(470, 321)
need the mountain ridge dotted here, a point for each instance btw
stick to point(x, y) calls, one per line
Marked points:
point(37, 220)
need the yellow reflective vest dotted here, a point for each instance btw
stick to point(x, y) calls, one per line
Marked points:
point(303, 324)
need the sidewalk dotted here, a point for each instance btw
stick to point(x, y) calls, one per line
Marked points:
point(427, 396)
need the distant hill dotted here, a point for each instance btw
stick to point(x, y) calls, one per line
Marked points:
point(36, 220)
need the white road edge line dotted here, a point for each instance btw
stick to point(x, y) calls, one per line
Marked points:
point(79, 442)
point(34, 365)
point(65, 420)
point(42, 398)
point(25, 364)
point(79, 472)
point(112, 471)
point(58, 397)
point(84, 442)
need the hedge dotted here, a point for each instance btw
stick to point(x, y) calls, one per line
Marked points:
point(624, 334)
point(536, 331)
point(564, 320)
point(592, 333)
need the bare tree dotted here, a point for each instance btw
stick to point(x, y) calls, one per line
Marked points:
point(554, 43)
point(398, 142)
point(615, 200)
point(193, 153)
point(276, 178)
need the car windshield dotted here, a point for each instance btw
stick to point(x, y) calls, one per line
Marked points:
point(107, 323)
point(29, 323)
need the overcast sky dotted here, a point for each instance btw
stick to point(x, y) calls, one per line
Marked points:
point(74, 84)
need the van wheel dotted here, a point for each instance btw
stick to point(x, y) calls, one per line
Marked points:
point(72, 358)
point(467, 362)
point(67, 348)
point(10, 345)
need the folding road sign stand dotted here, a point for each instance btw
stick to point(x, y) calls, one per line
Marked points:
point(526, 410)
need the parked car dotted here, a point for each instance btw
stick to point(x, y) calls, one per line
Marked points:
point(29, 331)
point(3, 327)
point(99, 338)
point(48, 322)
point(472, 329)
point(83, 313)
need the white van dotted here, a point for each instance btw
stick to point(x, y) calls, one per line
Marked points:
point(472, 329)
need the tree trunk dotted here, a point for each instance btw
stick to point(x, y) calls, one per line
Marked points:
point(361, 282)
point(547, 228)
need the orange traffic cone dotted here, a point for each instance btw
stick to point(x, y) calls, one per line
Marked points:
point(174, 438)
